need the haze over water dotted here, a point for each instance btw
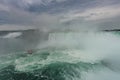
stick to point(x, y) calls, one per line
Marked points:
point(69, 39)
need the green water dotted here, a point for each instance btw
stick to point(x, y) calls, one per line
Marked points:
point(58, 61)
point(43, 66)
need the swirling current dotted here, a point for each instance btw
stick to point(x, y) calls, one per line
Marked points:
point(67, 56)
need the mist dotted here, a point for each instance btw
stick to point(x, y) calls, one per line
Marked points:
point(59, 39)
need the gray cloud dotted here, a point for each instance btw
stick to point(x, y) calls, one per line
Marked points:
point(51, 14)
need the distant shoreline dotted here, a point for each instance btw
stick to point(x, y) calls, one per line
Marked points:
point(112, 30)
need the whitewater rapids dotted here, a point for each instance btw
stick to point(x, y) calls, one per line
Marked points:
point(67, 56)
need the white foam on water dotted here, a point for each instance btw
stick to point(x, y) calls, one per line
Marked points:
point(12, 35)
point(90, 47)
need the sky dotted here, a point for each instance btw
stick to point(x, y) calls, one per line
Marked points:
point(60, 14)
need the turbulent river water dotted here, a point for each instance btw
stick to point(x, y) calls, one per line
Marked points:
point(67, 56)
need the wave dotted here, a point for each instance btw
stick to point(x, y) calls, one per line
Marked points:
point(44, 66)
point(13, 35)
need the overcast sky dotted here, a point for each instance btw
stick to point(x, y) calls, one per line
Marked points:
point(59, 14)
